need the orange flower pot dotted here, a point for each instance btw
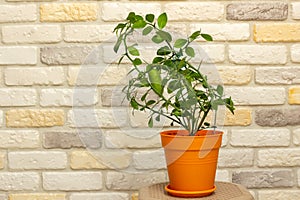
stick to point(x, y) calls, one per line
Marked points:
point(191, 161)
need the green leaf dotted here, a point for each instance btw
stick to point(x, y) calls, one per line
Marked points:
point(150, 102)
point(157, 60)
point(118, 43)
point(150, 17)
point(206, 37)
point(134, 104)
point(147, 30)
point(157, 118)
point(157, 39)
point(155, 79)
point(150, 122)
point(133, 51)
point(131, 17)
point(165, 35)
point(139, 24)
point(180, 43)
point(144, 96)
point(162, 20)
point(119, 26)
point(220, 90)
point(137, 61)
point(195, 35)
point(165, 50)
point(190, 51)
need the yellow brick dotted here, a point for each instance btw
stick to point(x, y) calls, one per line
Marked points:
point(241, 117)
point(2, 160)
point(68, 12)
point(34, 118)
point(84, 160)
point(235, 75)
point(37, 196)
point(294, 95)
point(135, 196)
point(289, 32)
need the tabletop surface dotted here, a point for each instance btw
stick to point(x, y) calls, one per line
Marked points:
point(224, 191)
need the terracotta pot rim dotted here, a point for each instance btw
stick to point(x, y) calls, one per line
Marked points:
point(184, 133)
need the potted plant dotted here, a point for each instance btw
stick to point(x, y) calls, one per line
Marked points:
point(182, 94)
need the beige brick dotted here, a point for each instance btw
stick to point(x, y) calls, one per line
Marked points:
point(296, 10)
point(288, 157)
point(288, 32)
point(222, 175)
point(37, 160)
point(132, 139)
point(149, 159)
point(88, 33)
point(295, 53)
point(252, 54)
point(100, 196)
point(260, 137)
point(18, 97)
point(236, 75)
point(111, 96)
point(135, 196)
point(2, 160)
point(294, 95)
point(202, 11)
point(72, 181)
point(18, 13)
point(68, 12)
point(34, 118)
point(279, 194)
point(257, 95)
point(298, 175)
point(224, 32)
point(1, 118)
point(68, 97)
point(236, 158)
point(100, 159)
point(212, 53)
point(19, 139)
point(117, 11)
point(34, 76)
point(31, 34)
point(19, 181)
point(241, 117)
point(296, 137)
point(19, 55)
point(38, 196)
point(277, 75)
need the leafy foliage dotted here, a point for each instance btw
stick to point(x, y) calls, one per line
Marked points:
point(183, 93)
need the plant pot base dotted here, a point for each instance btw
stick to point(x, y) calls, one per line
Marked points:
point(189, 194)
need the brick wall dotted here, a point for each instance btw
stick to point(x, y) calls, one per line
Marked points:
point(66, 135)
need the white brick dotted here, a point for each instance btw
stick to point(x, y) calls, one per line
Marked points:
point(296, 10)
point(236, 157)
point(1, 118)
point(222, 175)
point(133, 181)
point(143, 138)
point(31, 34)
point(22, 181)
point(298, 177)
point(149, 159)
point(37, 160)
point(99, 196)
point(118, 11)
point(18, 97)
point(34, 76)
point(18, 13)
point(18, 55)
point(72, 181)
point(19, 139)
point(201, 11)
point(209, 53)
point(224, 32)
point(105, 118)
point(68, 97)
point(260, 137)
point(295, 53)
point(258, 54)
point(277, 75)
point(88, 33)
point(279, 157)
point(279, 194)
point(256, 95)
point(296, 137)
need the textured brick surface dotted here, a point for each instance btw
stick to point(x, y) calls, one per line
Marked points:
point(18, 97)
point(277, 117)
point(279, 194)
point(278, 157)
point(149, 159)
point(277, 75)
point(263, 178)
point(2, 160)
point(72, 181)
point(37, 196)
point(102, 196)
point(237, 75)
point(289, 32)
point(18, 13)
point(19, 181)
point(296, 10)
point(236, 157)
point(241, 117)
point(257, 11)
point(295, 53)
point(69, 55)
point(34, 118)
point(19, 139)
point(68, 12)
point(67, 140)
point(19, 55)
point(294, 95)
point(34, 76)
point(296, 137)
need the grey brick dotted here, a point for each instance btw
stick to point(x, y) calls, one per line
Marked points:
point(264, 179)
point(66, 140)
point(257, 11)
point(277, 117)
point(70, 55)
